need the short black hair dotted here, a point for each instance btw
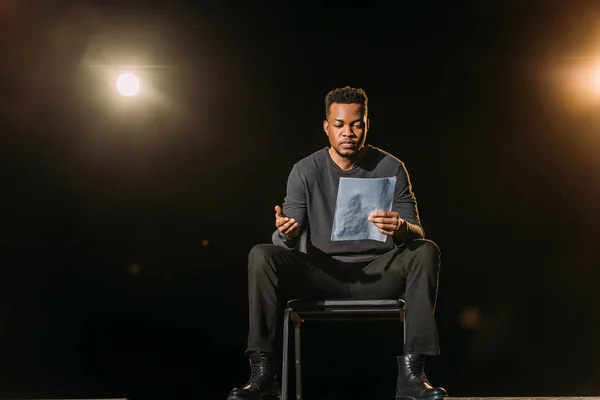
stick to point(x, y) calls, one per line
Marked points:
point(346, 95)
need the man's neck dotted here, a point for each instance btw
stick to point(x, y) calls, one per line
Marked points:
point(344, 163)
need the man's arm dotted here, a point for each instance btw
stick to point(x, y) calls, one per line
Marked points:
point(405, 204)
point(294, 207)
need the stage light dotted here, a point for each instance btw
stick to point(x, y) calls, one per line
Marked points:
point(595, 80)
point(128, 84)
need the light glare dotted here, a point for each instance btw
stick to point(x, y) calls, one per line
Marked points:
point(128, 84)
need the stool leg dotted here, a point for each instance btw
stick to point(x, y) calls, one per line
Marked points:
point(297, 323)
point(284, 363)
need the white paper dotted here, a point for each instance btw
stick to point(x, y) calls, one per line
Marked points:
point(357, 198)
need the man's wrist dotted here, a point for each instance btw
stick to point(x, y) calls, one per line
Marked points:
point(401, 231)
point(285, 237)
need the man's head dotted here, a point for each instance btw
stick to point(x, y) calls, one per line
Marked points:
point(346, 123)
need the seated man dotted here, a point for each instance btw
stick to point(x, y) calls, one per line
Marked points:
point(404, 264)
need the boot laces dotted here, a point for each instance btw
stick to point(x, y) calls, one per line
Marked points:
point(255, 371)
point(418, 369)
point(258, 371)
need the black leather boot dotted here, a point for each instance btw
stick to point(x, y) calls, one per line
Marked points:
point(262, 382)
point(412, 382)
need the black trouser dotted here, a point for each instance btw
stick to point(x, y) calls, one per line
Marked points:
point(276, 274)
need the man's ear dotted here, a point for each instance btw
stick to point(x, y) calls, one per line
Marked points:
point(325, 126)
point(368, 124)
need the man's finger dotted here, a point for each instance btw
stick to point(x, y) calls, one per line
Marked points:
point(285, 226)
point(279, 221)
point(389, 232)
point(278, 212)
point(386, 226)
point(385, 232)
point(384, 214)
point(289, 223)
point(291, 230)
point(384, 220)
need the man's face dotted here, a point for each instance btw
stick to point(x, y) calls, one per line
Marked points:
point(346, 126)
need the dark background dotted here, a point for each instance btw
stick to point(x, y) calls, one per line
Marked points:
point(126, 223)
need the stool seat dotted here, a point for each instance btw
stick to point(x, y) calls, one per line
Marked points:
point(301, 304)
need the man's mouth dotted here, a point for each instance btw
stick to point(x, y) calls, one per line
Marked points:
point(347, 145)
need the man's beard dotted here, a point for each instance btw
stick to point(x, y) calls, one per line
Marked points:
point(353, 153)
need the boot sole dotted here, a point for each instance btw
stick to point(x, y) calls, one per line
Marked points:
point(399, 397)
point(267, 396)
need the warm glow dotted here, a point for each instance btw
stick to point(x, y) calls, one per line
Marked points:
point(128, 84)
point(576, 85)
point(595, 80)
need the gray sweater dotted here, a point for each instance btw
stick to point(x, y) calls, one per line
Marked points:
point(311, 197)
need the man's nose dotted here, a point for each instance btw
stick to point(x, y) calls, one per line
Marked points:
point(347, 131)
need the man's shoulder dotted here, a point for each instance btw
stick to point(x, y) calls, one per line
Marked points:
point(385, 158)
point(312, 161)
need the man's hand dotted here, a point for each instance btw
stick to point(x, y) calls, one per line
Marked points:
point(388, 222)
point(285, 225)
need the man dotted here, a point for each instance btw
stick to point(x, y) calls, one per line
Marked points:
point(403, 265)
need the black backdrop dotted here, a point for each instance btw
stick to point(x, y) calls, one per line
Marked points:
point(107, 288)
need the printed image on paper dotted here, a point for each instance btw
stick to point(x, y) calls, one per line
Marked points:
point(357, 198)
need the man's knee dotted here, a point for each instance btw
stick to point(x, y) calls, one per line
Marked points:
point(426, 251)
point(260, 256)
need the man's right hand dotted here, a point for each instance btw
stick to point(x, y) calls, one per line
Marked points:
point(285, 225)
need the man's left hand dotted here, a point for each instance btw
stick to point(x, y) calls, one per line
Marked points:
point(387, 222)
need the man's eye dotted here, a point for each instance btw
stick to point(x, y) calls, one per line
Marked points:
point(338, 126)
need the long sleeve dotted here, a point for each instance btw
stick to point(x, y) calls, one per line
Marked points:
point(294, 206)
point(405, 204)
